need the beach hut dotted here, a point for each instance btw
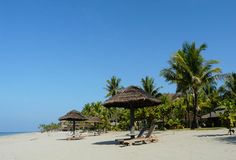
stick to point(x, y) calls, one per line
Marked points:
point(213, 119)
point(132, 98)
point(73, 116)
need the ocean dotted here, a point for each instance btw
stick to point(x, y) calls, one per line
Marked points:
point(10, 133)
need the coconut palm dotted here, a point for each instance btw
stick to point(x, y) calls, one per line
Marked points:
point(148, 86)
point(229, 88)
point(113, 86)
point(189, 69)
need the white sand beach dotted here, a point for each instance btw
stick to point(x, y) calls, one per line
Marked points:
point(172, 145)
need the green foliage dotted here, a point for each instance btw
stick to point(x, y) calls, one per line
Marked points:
point(124, 119)
point(97, 110)
point(174, 124)
point(210, 100)
point(229, 115)
point(106, 115)
point(49, 127)
point(178, 110)
point(164, 109)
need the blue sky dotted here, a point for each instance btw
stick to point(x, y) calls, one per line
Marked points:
point(57, 55)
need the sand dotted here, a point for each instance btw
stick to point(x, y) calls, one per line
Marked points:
point(172, 145)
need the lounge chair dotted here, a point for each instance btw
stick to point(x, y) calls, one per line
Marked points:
point(143, 139)
point(77, 136)
point(141, 134)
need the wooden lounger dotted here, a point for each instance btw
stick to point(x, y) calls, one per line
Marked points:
point(141, 133)
point(144, 140)
point(79, 137)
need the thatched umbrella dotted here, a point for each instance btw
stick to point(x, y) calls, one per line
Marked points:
point(94, 120)
point(132, 98)
point(73, 116)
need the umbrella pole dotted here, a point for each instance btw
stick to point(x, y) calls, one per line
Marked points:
point(132, 135)
point(73, 128)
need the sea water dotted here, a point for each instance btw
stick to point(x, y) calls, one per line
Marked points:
point(10, 133)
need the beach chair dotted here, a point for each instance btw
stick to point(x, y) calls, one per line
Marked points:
point(143, 139)
point(77, 136)
point(141, 134)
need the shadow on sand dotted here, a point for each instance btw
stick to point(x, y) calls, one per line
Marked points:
point(63, 139)
point(66, 139)
point(229, 139)
point(212, 135)
point(106, 143)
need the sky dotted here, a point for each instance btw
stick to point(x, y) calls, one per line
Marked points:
point(56, 55)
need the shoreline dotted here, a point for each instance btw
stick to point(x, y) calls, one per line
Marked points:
point(15, 134)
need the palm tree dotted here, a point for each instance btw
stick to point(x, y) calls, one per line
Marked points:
point(148, 86)
point(113, 86)
point(189, 69)
point(229, 88)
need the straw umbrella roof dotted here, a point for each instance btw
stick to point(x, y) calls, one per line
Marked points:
point(132, 96)
point(73, 116)
point(94, 120)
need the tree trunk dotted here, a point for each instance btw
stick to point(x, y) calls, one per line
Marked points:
point(195, 105)
point(73, 128)
point(211, 121)
point(187, 116)
point(115, 116)
point(189, 121)
point(132, 134)
point(163, 122)
point(186, 119)
point(188, 112)
point(229, 124)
